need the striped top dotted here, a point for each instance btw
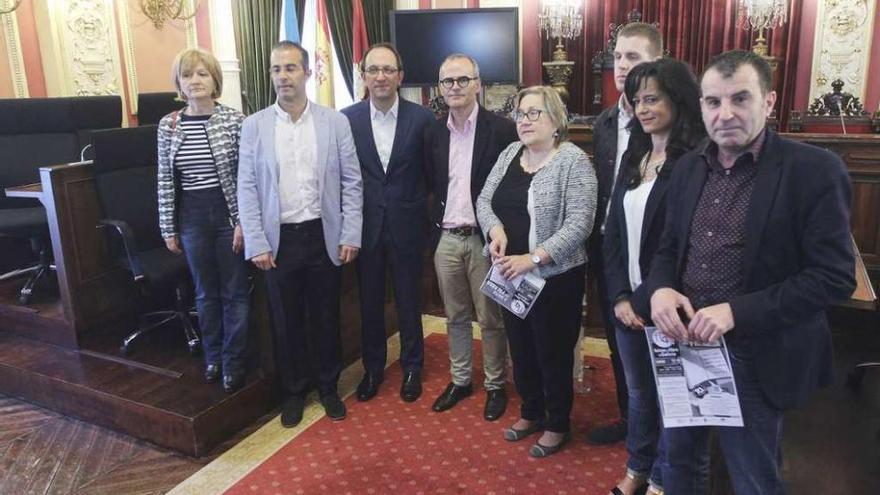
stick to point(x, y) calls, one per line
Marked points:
point(194, 162)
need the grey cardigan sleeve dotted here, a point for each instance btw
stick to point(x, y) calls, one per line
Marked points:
point(578, 206)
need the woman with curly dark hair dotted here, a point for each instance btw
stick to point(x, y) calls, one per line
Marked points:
point(665, 97)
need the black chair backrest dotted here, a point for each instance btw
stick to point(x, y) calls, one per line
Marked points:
point(38, 132)
point(153, 106)
point(125, 180)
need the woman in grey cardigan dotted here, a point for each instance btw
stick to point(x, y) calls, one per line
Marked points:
point(198, 210)
point(537, 210)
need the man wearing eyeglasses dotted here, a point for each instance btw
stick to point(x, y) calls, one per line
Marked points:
point(388, 134)
point(462, 149)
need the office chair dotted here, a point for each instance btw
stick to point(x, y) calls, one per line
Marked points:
point(153, 106)
point(37, 132)
point(125, 180)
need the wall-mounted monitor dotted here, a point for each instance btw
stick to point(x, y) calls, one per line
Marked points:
point(425, 37)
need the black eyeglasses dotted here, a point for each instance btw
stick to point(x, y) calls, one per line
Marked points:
point(533, 115)
point(462, 81)
point(387, 70)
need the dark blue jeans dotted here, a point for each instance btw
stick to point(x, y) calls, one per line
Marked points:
point(220, 277)
point(643, 443)
point(753, 453)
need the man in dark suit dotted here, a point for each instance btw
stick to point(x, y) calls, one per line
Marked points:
point(637, 42)
point(756, 247)
point(462, 150)
point(388, 134)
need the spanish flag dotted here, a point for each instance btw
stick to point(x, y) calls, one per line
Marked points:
point(323, 68)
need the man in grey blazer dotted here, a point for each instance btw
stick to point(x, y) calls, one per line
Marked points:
point(300, 200)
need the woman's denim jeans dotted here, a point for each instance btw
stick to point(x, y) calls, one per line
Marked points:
point(220, 277)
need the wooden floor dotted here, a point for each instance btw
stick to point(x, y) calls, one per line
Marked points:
point(42, 452)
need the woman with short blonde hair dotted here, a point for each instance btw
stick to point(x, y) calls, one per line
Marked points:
point(198, 210)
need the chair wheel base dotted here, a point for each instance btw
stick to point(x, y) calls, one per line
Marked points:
point(194, 348)
point(124, 350)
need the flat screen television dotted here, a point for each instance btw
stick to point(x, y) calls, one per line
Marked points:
point(425, 37)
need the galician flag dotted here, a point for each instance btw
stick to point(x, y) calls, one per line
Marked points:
point(289, 26)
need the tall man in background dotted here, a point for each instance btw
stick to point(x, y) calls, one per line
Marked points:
point(637, 42)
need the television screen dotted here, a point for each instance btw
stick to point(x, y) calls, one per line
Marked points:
point(425, 37)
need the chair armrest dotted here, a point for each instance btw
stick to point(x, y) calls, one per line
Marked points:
point(128, 244)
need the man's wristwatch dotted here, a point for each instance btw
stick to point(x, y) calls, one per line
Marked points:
point(536, 260)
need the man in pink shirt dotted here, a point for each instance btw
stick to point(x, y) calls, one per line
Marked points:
point(462, 150)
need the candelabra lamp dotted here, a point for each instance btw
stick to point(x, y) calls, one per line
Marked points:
point(560, 20)
point(761, 15)
point(162, 11)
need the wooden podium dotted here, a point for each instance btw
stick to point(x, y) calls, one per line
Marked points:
point(61, 352)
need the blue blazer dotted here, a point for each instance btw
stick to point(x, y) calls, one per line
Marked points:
point(798, 260)
point(339, 183)
point(396, 199)
point(615, 250)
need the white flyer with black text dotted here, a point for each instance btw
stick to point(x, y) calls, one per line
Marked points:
point(518, 294)
point(695, 383)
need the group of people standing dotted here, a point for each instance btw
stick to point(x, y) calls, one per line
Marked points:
point(694, 217)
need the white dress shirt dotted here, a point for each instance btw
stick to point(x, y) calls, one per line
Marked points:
point(384, 127)
point(296, 150)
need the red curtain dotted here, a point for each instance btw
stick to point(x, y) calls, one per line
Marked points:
point(693, 31)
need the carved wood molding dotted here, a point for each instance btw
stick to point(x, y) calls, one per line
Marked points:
point(14, 54)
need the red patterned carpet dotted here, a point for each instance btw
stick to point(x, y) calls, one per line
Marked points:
point(388, 446)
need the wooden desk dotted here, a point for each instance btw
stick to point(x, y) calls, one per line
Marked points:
point(27, 191)
point(157, 393)
point(93, 292)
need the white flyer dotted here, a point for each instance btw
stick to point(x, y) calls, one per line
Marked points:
point(695, 384)
point(518, 294)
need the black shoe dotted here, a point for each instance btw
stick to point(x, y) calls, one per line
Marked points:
point(608, 434)
point(333, 406)
point(232, 383)
point(411, 388)
point(451, 396)
point(292, 411)
point(369, 387)
point(212, 373)
point(496, 404)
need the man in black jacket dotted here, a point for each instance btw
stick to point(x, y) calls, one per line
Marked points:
point(462, 149)
point(756, 246)
point(637, 42)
